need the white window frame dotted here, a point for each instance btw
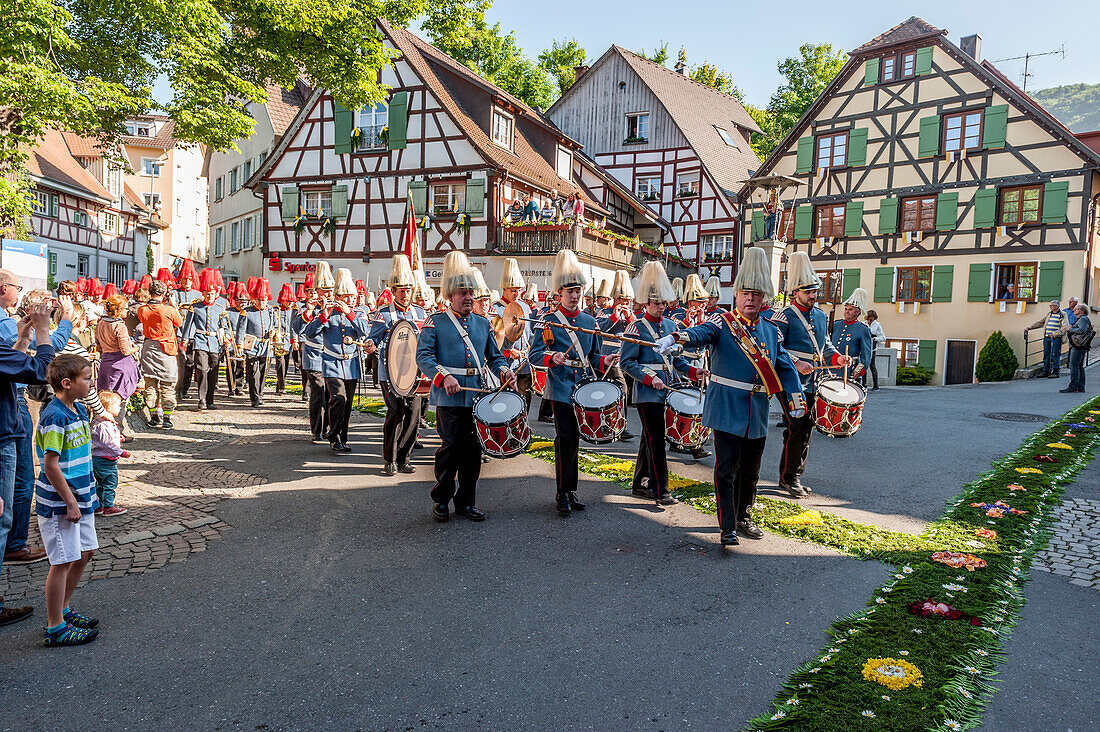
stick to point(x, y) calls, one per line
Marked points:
point(246, 170)
point(233, 180)
point(151, 167)
point(371, 122)
point(563, 163)
point(639, 126)
point(114, 180)
point(234, 237)
point(649, 179)
point(111, 222)
point(82, 265)
point(246, 233)
point(317, 200)
point(219, 188)
point(692, 179)
point(219, 241)
point(41, 203)
point(727, 137)
point(709, 244)
point(509, 127)
point(454, 195)
point(152, 200)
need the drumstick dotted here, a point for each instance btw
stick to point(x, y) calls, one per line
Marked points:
point(845, 368)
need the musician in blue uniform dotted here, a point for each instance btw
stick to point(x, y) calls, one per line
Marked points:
point(310, 350)
point(615, 320)
point(749, 365)
point(280, 342)
point(202, 332)
point(185, 357)
point(652, 373)
point(714, 296)
point(851, 336)
point(675, 310)
point(804, 328)
point(402, 412)
point(334, 326)
point(255, 327)
point(570, 356)
point(457, 349)
point(601, 305)
point(237, 297)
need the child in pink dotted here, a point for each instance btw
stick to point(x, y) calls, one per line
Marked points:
point(106, 450)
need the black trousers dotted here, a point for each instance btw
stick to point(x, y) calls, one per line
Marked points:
point(255, 371)
point(651, 468)
point(796, 444)
point(235, 384)
point(282, 365)
point(340, 394)
point(566, 446)
point(523, 386)
point(400, 428)
point(206, 376)
point(318, 401)
point(736, 470)
point(459, 456)
point(302, 375)
point(370, 363)
point(185, 365)
point(546, 409)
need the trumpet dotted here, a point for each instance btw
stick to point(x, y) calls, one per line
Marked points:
point(189, 306)
point(366, 343)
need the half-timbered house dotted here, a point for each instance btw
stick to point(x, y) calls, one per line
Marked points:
point(955, 199)
point(459, 150)
point(680, 146)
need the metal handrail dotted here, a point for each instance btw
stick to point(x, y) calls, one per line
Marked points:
point(1063, 355)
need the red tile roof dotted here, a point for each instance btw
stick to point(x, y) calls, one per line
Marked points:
point(51, 160)
point(910, 30)
point(163, 139)
point(81, 146)
point(283, 105)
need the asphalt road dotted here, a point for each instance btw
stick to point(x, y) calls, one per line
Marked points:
point(336, 602)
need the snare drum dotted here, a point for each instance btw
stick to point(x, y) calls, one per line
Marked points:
point(601, 410)
point(838, 407)
point(538, 378)
point(684, 418)
point(501, 422)
point(424, 386)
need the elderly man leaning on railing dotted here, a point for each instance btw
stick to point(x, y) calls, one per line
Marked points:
point(1054, 326)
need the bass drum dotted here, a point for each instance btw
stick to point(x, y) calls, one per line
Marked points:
point(838, 407)
point(684, 418)
point(402, 373)
point(501, 422)
point(600, 406)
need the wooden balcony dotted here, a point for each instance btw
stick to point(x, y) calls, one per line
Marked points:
point(549, 240)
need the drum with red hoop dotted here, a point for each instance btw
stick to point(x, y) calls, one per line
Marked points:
point(538, 378)
point(501, 422)
point(601, 410)
point(838, 407)
point(684, 418)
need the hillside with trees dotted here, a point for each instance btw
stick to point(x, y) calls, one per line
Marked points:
point(1077, 106)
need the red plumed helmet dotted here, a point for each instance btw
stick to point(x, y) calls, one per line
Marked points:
point(301, 293)
point(260, 289)
point(129, 287)
point(210, 279)
point(95, 287)
point(386, 297)
point(110, 290)
point(309, 280)
point(187, 274)
point(81, 285)
point(165, 275)
point(146, 280)
point(360, 287)
point(286, 294)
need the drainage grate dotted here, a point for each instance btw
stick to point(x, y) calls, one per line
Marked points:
point(1016, 417)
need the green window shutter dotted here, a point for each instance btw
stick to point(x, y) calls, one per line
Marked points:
point(947, 211)
point(924, 61)
point(943, 279)
point(339, 202)
point(888, 216)
point(418, 189)
point(853, 218)
point(344, 122)
point(857, 147)
point(995, 126)
point(1050, 280)
point(929, 144)
point(1055, 202)
point(985, 208)
point(290, 204)
point(870, 72)
point(926, 354)
point(805, 155)
point(978, 286)
point(803, 222)
point(850, 282)
point(398, 122)
point(757, 225)
point(55, 206)
point(475, 196)
point(884, 284)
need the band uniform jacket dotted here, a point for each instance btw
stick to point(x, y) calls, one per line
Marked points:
point(203, 324)
point(523, 344)
point(310, 347)
point(281, 320)
point(614, 325)
point(644, 364)
point(741, 408)
point(231, 319)
point(797, 341)
point(855, 339)
point(441, 352)
point(339, 360)
point(382, 324)
point(562, 380)
point(258, 323)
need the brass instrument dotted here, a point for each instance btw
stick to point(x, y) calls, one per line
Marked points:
point(349, 341)
point(189, 306)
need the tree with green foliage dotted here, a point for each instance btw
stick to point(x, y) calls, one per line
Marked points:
point(806, 78)
point(997, 361)
point(659, 55)
point(496, 56)
point(559, 61)
point(87, 65)
point(1077, 106)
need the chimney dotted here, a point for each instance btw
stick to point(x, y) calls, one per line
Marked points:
point(681, 68)
point(972, 46)
point(578, 72)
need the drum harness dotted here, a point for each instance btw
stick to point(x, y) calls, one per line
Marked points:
point(581, 355)
point(480, 370)
point(668, 367)
point(816, 357)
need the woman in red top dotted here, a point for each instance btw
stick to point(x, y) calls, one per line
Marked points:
point(159, 321)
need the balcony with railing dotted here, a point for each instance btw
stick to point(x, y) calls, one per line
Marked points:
point(549, 239)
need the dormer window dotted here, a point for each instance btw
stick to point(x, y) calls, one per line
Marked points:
point(503, 128)
point(140, 129)
point(564, 163)
point(726, 137)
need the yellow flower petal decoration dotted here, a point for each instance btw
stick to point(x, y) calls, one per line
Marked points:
point(675, 484)
point(1029, 470)
point(540, 445)
point(620, 466)
point(1059, 445)
point(1094, 411)
point(806, 518)
point(893, 673)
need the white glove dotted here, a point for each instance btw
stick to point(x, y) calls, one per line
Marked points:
point(796, 413)
point(665, 344)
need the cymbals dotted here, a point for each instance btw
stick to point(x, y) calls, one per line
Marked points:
point(513, 330)
point(498, 329)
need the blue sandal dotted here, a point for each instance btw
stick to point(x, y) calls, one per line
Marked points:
point(80, 620)
point(69, 636)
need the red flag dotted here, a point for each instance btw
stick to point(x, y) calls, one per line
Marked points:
point(412, 247)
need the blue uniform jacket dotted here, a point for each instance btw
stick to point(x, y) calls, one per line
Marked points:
point(561, 380)
point(614, 326)
point(797, 341)
point(231, 318)
point(310, 347)
point(257, 323)
point(643, 363)
point(856, 338)
point(733, 409)
point(441, 351)
point(338, 359)
point(381, 325)
point(202, 324)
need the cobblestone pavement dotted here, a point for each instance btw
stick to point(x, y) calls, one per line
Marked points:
point(1074, 549)
point(170, 493)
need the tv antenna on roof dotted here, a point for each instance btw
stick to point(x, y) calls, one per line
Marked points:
point(1027, 58)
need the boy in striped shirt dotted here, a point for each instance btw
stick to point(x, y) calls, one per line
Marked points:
point(66, 498)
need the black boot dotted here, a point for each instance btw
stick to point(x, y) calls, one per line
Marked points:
point(574, 502)
point(154, 419)
point(167, 423)
point(563, 504)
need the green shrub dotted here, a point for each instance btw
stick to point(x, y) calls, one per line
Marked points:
point(914, 376)
point(997, 361)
